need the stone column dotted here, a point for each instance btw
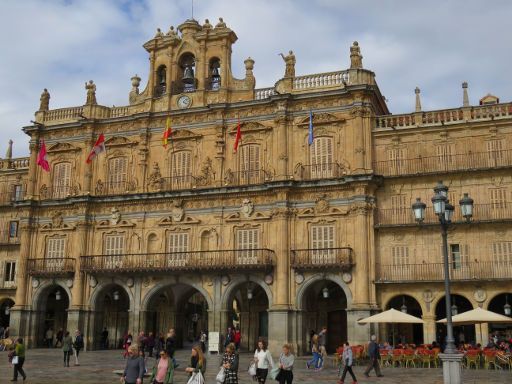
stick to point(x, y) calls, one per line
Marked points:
point(32, 172)
point(359, 333)
point(281, 153)
point(362, 278)
point(429, 328)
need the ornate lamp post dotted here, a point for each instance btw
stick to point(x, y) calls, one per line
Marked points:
point(444, 211)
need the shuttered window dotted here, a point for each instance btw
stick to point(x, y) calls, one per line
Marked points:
point(502, 253)
point(246, 241)
point(400, 209)
point(114, 248)
point(396, 158)
point(117, 175)
point(177, 246)
point(61, 180)
point(55, 252)
point(250, 165)
point(321, 243)
point(322, 158)
point(498, 198)
point(445, 154)
point(9, 274)
point(400, 255)
point(17, 192)
point(181, 172)
point(459, 255)
point(495, 153)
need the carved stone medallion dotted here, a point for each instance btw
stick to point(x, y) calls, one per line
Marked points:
point(247, 208)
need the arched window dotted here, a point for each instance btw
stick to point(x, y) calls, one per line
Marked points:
point(181, 170)
point(117, 175)
point(161, 83)
point(250, 164)
point(322, 158)
point(61, 180)
point(214, 80)
point(187, 64)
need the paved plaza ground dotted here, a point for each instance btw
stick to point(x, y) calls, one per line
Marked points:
point(44, 366)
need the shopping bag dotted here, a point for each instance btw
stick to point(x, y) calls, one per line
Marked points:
point(252, 369)
point(196, 378)
point(221, 376)
point(14, 360)
point(274, 372)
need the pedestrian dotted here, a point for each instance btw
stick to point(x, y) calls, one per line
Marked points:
point(316, 353)
point(322, 340)
point(163, 370)
point(286, 360)
point(237, 337)
point(197, 362)
point(104, 338)
point(78, 345)
point(134, 370)
point(127, 342)
point(58, 338)
point(346, 362)
point(141, 340)
point(202, 339)
point(374, 354)
point(2, 330)
point(150, 344)
point(67, 342)
point(49, 337)
point(263, 360)
point(18, 358)
point(230, 364)
point(229, 337)
point(170, 346)
point(159, 345)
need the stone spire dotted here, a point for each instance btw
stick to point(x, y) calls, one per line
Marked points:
point(418, 101)
point(8, 154)
point(465, 97)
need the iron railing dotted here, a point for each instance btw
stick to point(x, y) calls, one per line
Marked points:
point(481, 212)
point(319, 171)
point(256, 176)
point(180, 261)
point(178, 182)
point(58, 191)
point(113, 188)
point(320, 258)
point(445, 163)
point(426, 272)
point(7, 198)
point(51, 266)
point(8, 237)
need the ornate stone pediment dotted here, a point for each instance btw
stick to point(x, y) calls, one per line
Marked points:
point(110, 223)
point(170, 220)
point(57, 224)
point(62, 147)
point(250, 127)
point(185, 134)
point(117, 141)
point(238, 216)
point(320, 118)
point(324, 211)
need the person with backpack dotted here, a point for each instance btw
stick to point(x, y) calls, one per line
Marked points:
point(78, 345)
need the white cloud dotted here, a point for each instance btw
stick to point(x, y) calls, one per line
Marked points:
point(434, 45)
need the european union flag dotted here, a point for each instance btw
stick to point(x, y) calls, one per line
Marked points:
point(310, 136)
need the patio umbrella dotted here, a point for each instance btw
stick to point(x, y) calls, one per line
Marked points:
point(392, 316)
point(478, 316)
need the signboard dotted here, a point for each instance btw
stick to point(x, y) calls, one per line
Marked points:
point(213, 341)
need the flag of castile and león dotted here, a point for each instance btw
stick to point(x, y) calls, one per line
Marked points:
point(99, 147)
point(42, 157)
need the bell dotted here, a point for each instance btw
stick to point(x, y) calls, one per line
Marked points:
point(188, 75)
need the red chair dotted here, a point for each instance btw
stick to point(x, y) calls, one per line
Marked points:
point(397, 357)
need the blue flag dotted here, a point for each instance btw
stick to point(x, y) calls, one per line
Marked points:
point(310, 135)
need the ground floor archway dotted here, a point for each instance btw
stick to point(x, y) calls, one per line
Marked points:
point(405, 333)
point(51, 308)
point(461, 333)
point(5, 311)
point(501, 304)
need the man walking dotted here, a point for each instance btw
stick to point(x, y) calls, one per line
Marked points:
point(374, 354)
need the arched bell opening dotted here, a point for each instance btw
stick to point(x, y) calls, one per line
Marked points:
point(214, 79)
point(187, 81)
point(161, 81)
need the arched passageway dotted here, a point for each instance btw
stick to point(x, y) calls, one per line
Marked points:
point(51, 306)
point(501, 304)
point(5, 312)
point(405, 333)
point(461, 333)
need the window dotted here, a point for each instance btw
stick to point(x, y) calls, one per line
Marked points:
point(322, 241)
point(250, 164)
point(114, 248)
point(55, 251)
point(495, 153)
point(246, 241)
point(117, 175)
point(396, 157)
point(322, 158)
point(400, 209)
point(13, 229)
point(498, 197)
point(177, 246)
point(10, 274)
point(502, 252)
point(61, 180)
point(181, 175)
point(400, 255)
point(17, 192)
point(445, 154)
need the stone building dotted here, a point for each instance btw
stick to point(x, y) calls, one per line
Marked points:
point(282, 236)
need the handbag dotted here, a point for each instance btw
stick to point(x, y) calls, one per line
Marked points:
point(15, 360)
point(274, 372)
point(252, 369)
point(221, 376)
point(196, 378)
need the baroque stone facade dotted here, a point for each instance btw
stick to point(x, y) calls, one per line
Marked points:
point(280, 236)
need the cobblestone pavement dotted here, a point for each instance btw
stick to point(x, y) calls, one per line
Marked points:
point(45, 366)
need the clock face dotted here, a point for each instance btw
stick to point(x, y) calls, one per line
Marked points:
point(184, 101)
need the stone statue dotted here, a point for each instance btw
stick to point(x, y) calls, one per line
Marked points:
point(290, 64)
point(45, 100)
point(356, 59)
point(221, 23)
point(155, 178)
point(207, 24)
point(172, 32)
point(91, 93)
point(158, 33)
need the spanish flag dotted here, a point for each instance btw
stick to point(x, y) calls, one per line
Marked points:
point(238, 136)
point(167, 132)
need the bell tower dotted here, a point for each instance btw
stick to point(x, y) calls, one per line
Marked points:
point(191, 66)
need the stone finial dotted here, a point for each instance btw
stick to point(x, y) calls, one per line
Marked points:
point(418, 101)
point(207, 24)
point(44, 101)
point(290, 64)
point(91, 93)
point(159, 33)
point(465, 97)
point(249, 64)
point(8, 154)
point(221, 23)
point(172, 32)
point(356, 59)
point(135, 81)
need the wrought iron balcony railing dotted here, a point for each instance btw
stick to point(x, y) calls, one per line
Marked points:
point(431, 272)
point(7, 198)
point(58, 191)
point(180, 261)
point(256, 176)
point(319, 171)
point(7, 237)
point(322, 258)
point(446, 163)
point(113, 188)
point(51, 266)
point(481, 212)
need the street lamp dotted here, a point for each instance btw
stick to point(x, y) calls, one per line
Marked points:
point(403, 308)
point(325, 293)
point(444, 211)
point(8, 310)
point(116, 295)
point(57, 295)
point(506, 308)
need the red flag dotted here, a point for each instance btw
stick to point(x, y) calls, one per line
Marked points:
point(167, 132)
point(99, 147)
point(42, 157)
point(238, 137)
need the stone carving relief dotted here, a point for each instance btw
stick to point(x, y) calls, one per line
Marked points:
point(57, 220)
point(480, 295)
point(207, 174)
point(115, 216)
point(321, 204)
point(247, 208)
point(177, 211)
point(155, 179)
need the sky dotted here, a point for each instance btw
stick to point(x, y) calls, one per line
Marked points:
point(435, 45)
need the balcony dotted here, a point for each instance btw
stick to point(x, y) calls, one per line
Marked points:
point(113, 188)
point(256, 176)
point(8, 238)
point(319, 171)
point(434, 272)
point(57, 192)
point(230, 259)
point(8, 198)
point(61, 266)
point(322, 258)
point(444, 164)
point(178, 182)
point(9, 284)
point(500, 211)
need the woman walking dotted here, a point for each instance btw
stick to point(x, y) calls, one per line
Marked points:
point(78, 345)
point(134, 369)
point(230, 364)
point(263, 360)
point(286, 360)
point(163, 371)
point(346, 360)
point(315, 361)
point(67, 348)
point(197, 361)
point(19, 355)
